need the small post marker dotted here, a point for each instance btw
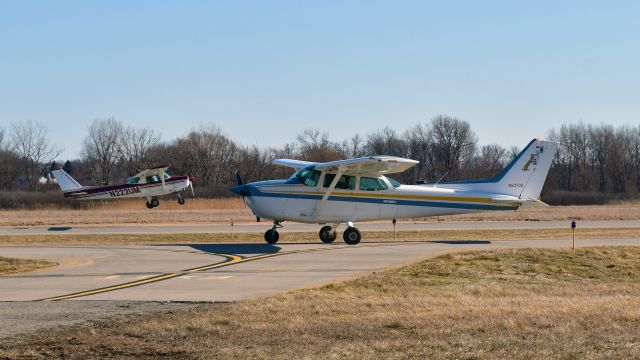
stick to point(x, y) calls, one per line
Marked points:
point(394, 229)
point(573, 230)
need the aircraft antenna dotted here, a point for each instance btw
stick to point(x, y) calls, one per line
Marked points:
point(441, 177)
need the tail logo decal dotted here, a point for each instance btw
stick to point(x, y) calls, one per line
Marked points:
point(533, 160)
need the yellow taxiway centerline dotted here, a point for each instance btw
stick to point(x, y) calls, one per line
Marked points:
point(231, 259)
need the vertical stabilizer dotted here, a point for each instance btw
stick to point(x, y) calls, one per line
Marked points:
point(524, 177)
point(65, 181)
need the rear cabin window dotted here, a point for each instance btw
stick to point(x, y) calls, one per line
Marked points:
point(372, 184)
point(153, 179)
point(307, 175)
point(133, 180)
point(395, 183)
point(345, 182)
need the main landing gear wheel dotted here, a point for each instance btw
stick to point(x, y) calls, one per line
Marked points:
point(352, 236)
point(271, 236)
point(327, 234)
point(149, 205)
point(155, 202)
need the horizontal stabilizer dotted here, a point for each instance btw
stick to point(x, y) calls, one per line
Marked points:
point(522, 203)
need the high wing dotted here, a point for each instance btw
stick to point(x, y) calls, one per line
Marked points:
point(152, 171)
point(371, 166)
point(296, 164)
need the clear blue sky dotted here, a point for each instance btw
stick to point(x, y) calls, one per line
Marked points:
point(265, 70)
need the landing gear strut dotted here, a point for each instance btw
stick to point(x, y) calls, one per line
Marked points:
point(328, 234)
point(271, 236)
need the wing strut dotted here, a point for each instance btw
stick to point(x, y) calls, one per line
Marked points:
point(327, 193)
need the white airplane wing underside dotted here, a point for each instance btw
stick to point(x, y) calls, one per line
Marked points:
point(371, 166)
point(153, 171)
point(296, 164)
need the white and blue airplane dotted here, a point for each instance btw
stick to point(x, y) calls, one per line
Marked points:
point(347, 191)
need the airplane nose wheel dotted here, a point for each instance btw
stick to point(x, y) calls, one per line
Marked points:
point(352, 236)
point(181, 199)
point(327, 234)
point(271, 236)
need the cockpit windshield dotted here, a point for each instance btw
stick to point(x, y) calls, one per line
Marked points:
point(307, 175)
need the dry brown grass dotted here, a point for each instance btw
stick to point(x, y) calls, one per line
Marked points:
point(312, 237)
point(203, 211)
point(14, 266)
point(528, 303)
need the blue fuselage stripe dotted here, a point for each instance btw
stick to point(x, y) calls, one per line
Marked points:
point(426, 203)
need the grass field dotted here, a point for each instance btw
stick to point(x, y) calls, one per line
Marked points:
point(528, 303)
point(14, 266)
point(202, 211)
point(312, 237)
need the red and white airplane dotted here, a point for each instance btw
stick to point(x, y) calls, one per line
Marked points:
point(150, 184)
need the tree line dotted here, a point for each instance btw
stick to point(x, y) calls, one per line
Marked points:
point(595, 162)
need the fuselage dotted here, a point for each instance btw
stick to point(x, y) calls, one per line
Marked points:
point(133, 190)
point(361, 199)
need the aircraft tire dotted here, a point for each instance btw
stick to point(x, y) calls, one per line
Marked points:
point(271, 236)
point(352, 236)
point(149, 205)
point(181, 201)
point(155, 202)
point(326, 235)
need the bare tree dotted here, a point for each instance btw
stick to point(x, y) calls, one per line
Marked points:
point(316, 146)
point(102, 147)
point(386, 142)
point(138, 148)
point(29, 141)
point(10, 163)
point(453, 146)
point(206, 154)
point(255, 164)
point(352, 148)
point(491, 159)
point(418, 139)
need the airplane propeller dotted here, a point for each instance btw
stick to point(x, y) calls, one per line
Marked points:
point(191, 187)
point(239, 181)
point(240, 187)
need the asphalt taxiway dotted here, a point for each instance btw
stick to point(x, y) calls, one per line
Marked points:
point(202, 273)
point(300, 227)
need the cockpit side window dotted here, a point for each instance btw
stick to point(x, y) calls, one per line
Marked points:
point(345, 182)
point(307, 175)
point(372, 184)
